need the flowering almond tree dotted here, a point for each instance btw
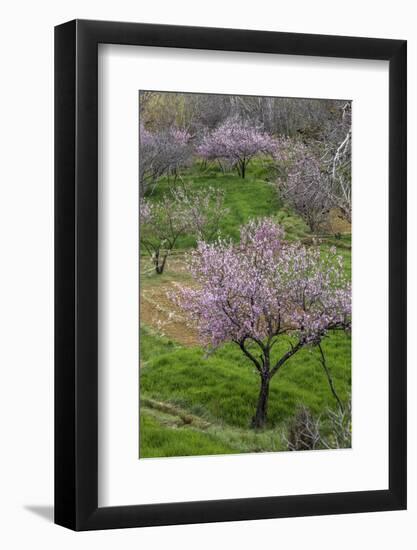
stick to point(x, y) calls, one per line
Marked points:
point(161, 224)
point(162, 152)
point(316, 177)
point(307, 190)
point(180, 211)
point(237, 143)
point(204, 209)
point(304, 183)
point(263, 291)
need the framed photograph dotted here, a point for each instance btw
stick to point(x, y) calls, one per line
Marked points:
point(230, 253)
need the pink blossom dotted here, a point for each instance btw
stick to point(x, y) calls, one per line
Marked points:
point(236, 142)
point(263, 288)
point(181, 211)
point(162, 152)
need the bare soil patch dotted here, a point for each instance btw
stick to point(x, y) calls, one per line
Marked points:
point(336, 222)
point(158, 311)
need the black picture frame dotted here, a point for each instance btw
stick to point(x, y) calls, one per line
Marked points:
point(76, 272)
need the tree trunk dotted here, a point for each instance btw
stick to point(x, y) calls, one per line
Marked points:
point(160, 265)
point(259, 420)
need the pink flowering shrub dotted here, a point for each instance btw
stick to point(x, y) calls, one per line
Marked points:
point(261, 291)
point(236, 143)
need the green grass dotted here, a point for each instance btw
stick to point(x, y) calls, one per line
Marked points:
point(152, 345)
point(157, 440)
point(247, 198)
point(295, 228)
point(223, 387)
point(222, 439)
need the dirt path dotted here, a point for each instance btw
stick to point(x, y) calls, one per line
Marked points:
point(157, 310)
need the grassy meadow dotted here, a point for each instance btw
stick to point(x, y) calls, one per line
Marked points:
point(198, 403)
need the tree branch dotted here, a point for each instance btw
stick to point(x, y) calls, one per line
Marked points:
point(248, 354)
point(286, 356)
point(329, 377)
